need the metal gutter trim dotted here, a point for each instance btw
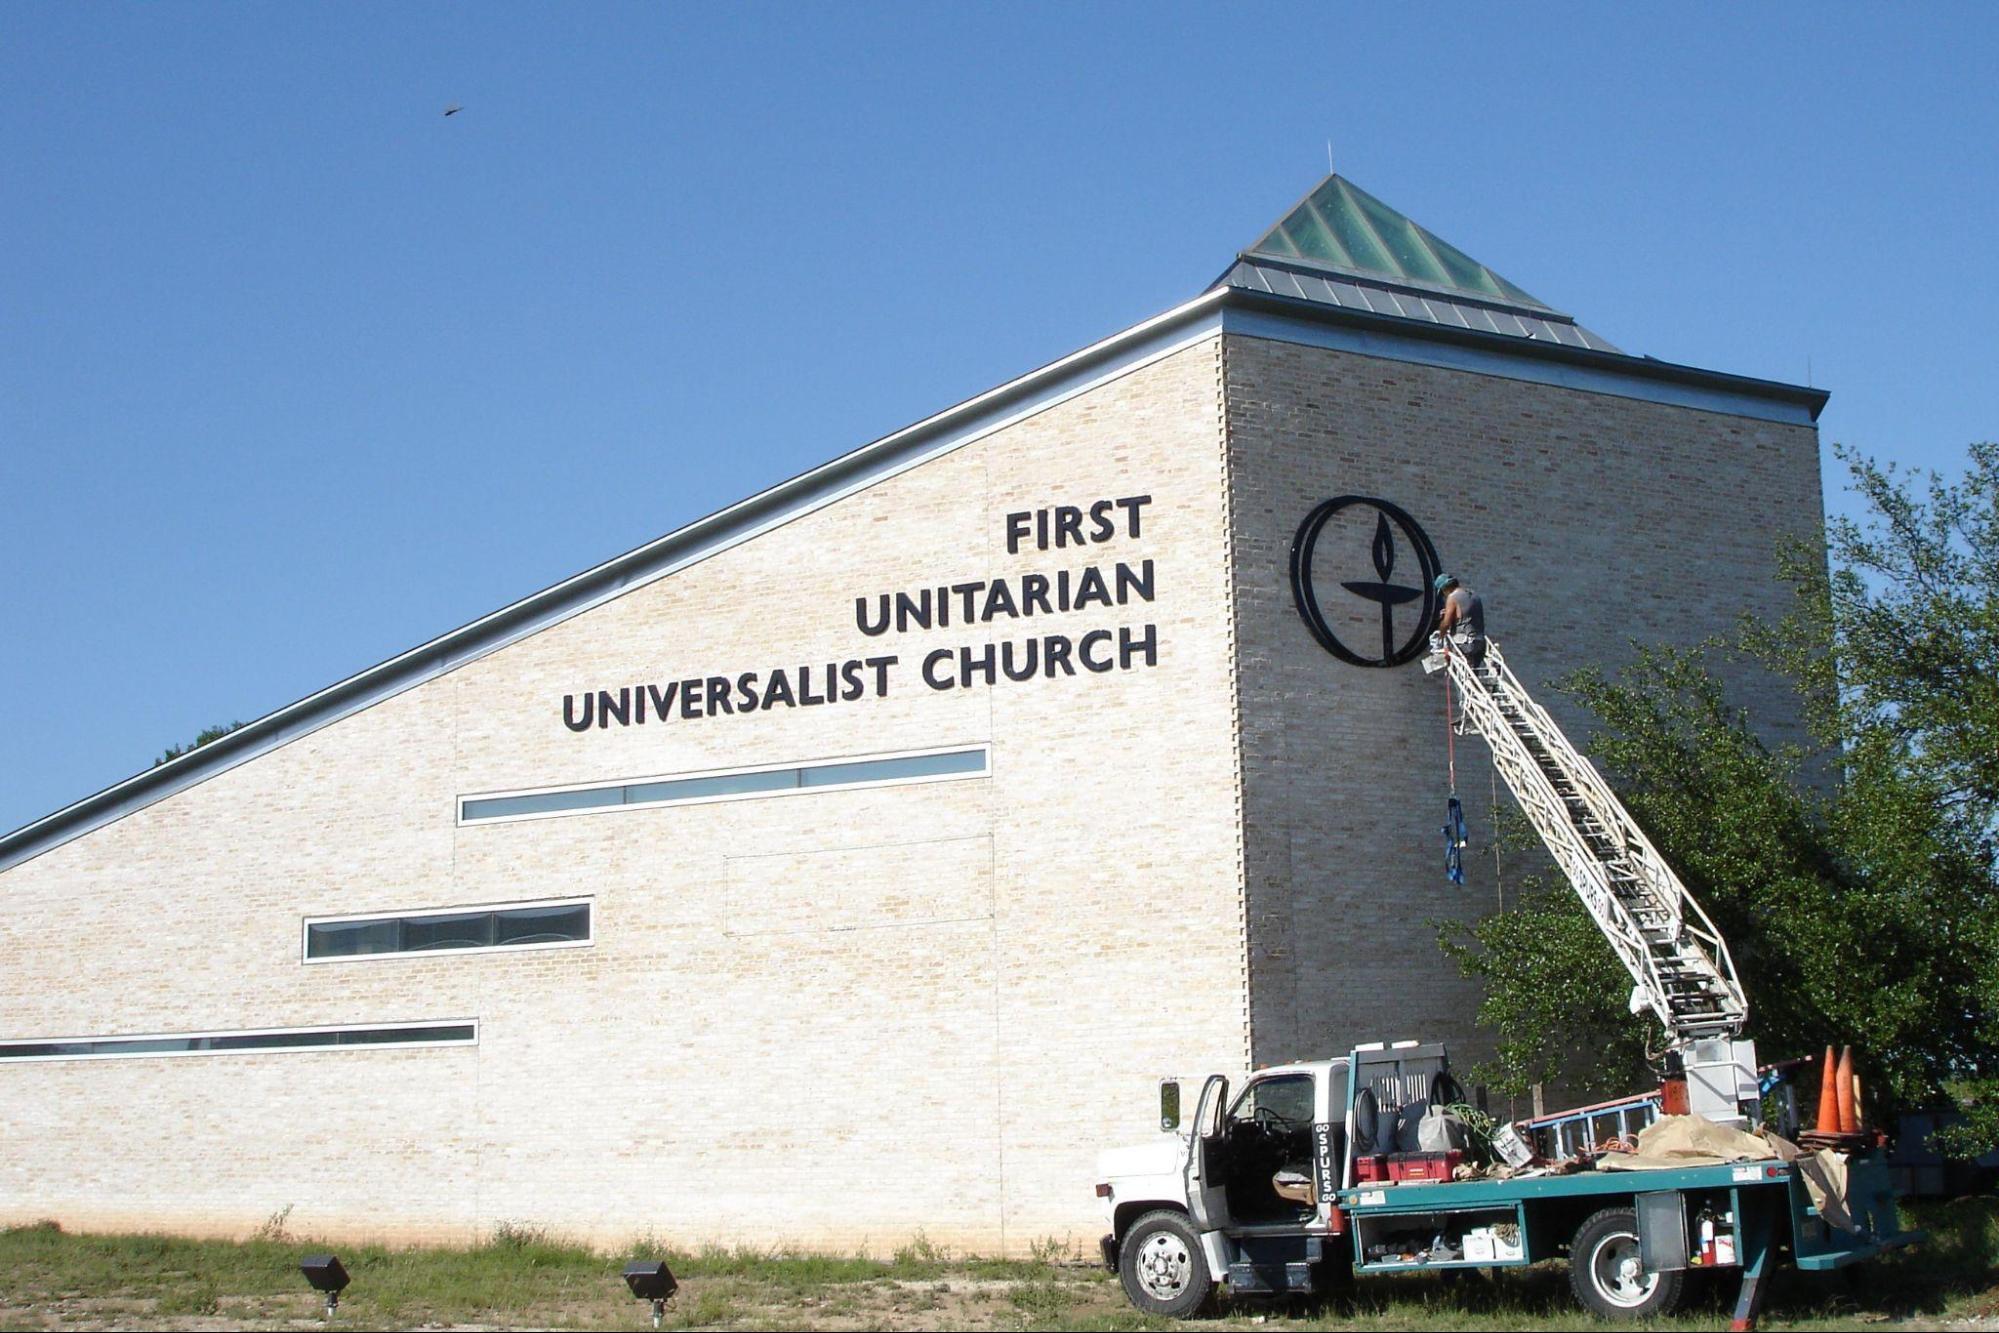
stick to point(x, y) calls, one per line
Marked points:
point(1612, 363)
point(960, 424)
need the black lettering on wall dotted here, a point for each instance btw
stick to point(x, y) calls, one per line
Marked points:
point(1101, 526)
point(1055, 651)
point(970, 666)
point(1030, 658)
point(880, 665)
point(1034, 593)
point(1090, 589)
point(1129, 647)
point(1017, 525)
point(1129, 582)
point(939, 606)
point(622, 711)
point(912, 611)
point(930, 662)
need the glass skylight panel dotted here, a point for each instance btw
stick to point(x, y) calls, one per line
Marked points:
point(1399, 234)
point(1464, 272)
point(1309, 235)
point(1353, 234)
point(1343, 226)
point(1275, 242)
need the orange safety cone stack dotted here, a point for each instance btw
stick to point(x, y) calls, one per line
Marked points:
point(1829, 1097)
point(1849, 1122)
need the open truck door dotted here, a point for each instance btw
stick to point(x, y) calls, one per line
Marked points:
point(1207, 1157)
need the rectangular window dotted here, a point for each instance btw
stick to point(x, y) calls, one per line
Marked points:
point(263, 1040)
point(547, 925)
point(931, 766)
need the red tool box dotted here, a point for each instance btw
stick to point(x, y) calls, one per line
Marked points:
point(1423, 1165)
point(1370, 1168)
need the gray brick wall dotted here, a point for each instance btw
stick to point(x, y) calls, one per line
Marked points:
point(1586, 521)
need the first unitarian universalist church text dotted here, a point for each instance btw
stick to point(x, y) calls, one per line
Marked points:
point(976, 602)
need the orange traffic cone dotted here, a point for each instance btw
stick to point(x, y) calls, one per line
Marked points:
point(1849, 1123)
point(1859, 1108)
point(1829, 1097)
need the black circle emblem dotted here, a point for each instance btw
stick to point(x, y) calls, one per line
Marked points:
point(1337, 541)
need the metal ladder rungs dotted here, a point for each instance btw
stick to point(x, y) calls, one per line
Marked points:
point(1632, 894)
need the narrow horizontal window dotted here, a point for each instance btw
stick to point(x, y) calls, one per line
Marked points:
point(520, 926)
point(724, 786)
point(462, 1033)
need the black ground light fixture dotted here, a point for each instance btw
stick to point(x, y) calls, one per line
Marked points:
point(327, 1277)
point(651, 1280)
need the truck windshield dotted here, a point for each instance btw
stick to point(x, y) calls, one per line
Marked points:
point(1286, 1097)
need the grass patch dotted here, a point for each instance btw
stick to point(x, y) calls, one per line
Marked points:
point(524, 1276)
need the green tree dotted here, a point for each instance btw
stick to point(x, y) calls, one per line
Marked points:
point(206, 735)
point(1854, 879)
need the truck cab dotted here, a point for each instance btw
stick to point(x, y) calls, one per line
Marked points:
point(1244, 1189)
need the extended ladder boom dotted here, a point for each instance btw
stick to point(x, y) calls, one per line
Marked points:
point(1678, 962)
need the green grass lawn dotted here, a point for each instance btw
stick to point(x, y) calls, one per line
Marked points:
point(524, 1279)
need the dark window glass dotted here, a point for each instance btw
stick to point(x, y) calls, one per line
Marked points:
point(436, 932)
point(344, 939)
point(724, 784)
point(236, 1041)
point(541, 803)
point(450, 930)
point(727, 784)
point(385, 1036)
point(1287, 1097)
point(543, 925)
point(890, 770)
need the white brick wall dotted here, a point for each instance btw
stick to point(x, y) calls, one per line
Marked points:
point(1001, 968)
point(842, 1017)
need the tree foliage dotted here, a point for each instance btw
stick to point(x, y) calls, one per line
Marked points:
point(1851, 871)
point(206, 735)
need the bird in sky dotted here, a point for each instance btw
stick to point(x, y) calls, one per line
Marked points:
point(453, 109)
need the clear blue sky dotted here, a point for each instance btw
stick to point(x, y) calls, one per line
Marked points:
point(296, 372)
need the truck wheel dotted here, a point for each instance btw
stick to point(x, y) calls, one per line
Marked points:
point(1604, 1270)
point(1162, 1267)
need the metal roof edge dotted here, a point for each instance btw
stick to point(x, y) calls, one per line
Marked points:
point(1360, 278)
point(1812, 400)
point(876, 461)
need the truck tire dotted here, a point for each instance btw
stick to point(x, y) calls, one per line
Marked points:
point(1162, 1267)
point(1604, 1271)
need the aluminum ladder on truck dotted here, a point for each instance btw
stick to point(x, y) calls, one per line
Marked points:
point(1679, 964)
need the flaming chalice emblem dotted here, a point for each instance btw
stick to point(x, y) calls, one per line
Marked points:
point(1388, 594)
point(1397, 543)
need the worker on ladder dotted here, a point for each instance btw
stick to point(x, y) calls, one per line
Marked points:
point(1462, 621)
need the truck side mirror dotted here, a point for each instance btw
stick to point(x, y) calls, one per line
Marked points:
point(1169, 1105)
